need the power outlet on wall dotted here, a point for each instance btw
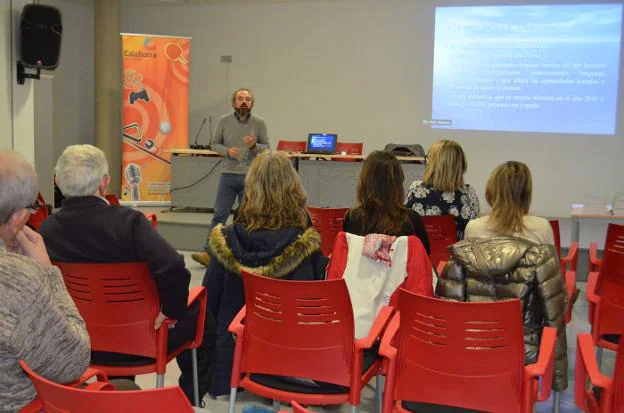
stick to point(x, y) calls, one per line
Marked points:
point(226, 59)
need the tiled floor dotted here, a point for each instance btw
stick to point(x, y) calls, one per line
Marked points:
point(220, 405)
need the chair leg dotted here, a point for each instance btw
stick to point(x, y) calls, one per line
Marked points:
point(556, 401)
point(232, 406)
point(160, 380)
point(355, 409)
point(195, 378)
point(378, 393)
point(276, 406)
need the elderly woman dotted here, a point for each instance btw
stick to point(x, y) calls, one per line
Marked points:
point(40, 323)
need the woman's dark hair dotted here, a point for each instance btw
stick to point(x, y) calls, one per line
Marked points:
point(381, 195)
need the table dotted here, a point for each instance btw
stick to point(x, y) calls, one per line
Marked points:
point(579, 215)
point(329, 180)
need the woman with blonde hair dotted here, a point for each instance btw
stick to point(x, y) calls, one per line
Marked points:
point(509, 192)
point(272, 236)
point(510, 254)
point(442, 190)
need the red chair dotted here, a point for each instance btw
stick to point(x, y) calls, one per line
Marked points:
point(442, 233)
point(303, 330)
point(292, 146)
point(615, 235)
point(119, 303)
point(100, 397)
point(571, 259)
point(113, 200)
point(468, 355)
point(593, 391)
point(605, 292)
point(40, 214)
point(328, 222)
point(349, 148)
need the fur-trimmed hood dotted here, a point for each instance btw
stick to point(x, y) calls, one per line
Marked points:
point(270, 253)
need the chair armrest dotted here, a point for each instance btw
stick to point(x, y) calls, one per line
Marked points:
point(386, 349)
point(440, 267)
point(592, 297)
point(199, 295)
point(572, 257)
point(377, 329)
point(238, 329)
point(236, 326)
point(544, 365)
point(88, 374)
point(594, 261)
point(586, 365)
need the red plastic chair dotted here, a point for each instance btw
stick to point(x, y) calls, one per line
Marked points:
point(301, 329)
point(119, 303)
point(468, 355)
point(40, 214)
point(605, 292)
point(571, 259)
point(593, 391)
point(442, 233)
point(328, 222)
point(113, 200)
point(100, 397)
point(292, 146)
point(349, 148)
point(615, 235)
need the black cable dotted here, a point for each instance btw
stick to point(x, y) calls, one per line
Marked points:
point(199, 180)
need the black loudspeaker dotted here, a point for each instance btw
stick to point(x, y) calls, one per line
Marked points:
point(40, 36)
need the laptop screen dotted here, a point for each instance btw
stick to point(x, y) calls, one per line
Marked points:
point(324, 143)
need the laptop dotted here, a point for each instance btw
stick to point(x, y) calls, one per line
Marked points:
point(322, 143)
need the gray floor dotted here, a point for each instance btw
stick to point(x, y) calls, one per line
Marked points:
point(220, 405)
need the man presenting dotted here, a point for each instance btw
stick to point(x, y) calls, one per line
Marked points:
point(240, 136)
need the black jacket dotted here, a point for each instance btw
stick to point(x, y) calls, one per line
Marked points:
point(288, 253)
point(87, 229)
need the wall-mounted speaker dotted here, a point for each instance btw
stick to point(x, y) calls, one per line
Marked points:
point(40, 36)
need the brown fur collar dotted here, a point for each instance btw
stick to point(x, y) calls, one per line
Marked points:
point(292, 256)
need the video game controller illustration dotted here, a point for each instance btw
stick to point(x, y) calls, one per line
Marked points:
point(141, 94)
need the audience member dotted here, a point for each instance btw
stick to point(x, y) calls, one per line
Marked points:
point(380, 196)
point(88, 229)
point(442, 190)
point(506, 256)
point(40, 323)
point(272, 236)
point(509, 192)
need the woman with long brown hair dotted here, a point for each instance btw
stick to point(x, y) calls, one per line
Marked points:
point(380, 208)
point(509, 192)
point(442, 190)
point(272, 236)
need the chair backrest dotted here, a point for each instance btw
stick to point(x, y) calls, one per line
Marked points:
point(292, 146)
point(298, 329)
point(328, 222)
point(40, 215)
point(350, 148)
point(119, 303)
point(611, 282)
point(442, 233)
point(460, 354)
point(57, 398)
point(112, 199)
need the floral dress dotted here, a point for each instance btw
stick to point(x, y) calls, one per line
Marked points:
point(463, 204)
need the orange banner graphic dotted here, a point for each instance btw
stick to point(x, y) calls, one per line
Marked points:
point(155, 113)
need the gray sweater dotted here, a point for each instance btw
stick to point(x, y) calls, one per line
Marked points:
point(230, 133)
point(40, 324)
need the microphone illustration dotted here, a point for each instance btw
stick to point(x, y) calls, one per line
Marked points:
point(133, 178)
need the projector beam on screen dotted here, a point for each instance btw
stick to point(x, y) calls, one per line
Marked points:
point(549, 68)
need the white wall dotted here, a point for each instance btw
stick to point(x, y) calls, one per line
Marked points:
point(6, 123)
point(363, 69)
